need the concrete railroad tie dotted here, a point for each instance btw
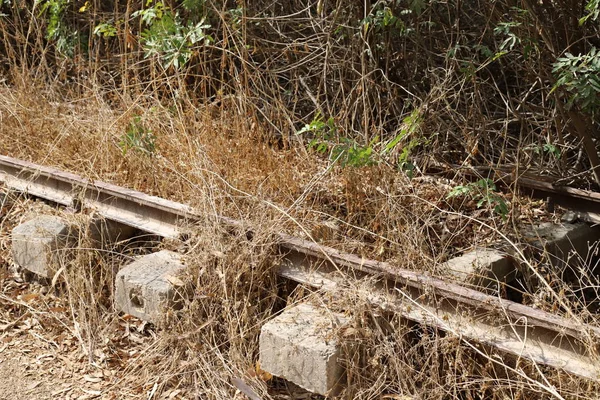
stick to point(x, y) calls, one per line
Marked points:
point(300, 346)
point(39, 244)
point(148, 287)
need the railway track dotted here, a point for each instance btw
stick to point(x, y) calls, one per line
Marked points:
point(585, 204)
point(510, 328)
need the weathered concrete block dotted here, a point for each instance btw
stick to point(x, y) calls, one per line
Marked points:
point(38, 244)
point(299, 345)
point(149, 286)
point(560, 241)
point(482, 267)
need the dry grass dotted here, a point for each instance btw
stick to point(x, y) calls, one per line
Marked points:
point(214, 338)
point(220, 166)
point(229, 154)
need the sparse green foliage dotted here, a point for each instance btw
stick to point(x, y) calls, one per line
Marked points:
point(484, 192)
point(580, 77)
point(54, 10)
point(516, 36)
point(172, 41)
point(386, 16)
point(235, 15)
point(505, 29)
point(138, 137)
point(167, 37)
point(351, 154)
point(592, 8)
point(57, 30)
point(547, 148)
point(105, 29)
point(346, 151)
point(322, 131)
point(151, 13)
point(552, 150)
point(409, 134)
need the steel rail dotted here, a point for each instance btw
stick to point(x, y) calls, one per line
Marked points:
point(584, 203)
point(510, 327)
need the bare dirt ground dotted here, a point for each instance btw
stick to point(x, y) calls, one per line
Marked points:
point(24, 375)
point(41, 356)
point(46, 353)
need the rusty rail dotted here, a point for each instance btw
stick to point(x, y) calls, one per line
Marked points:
point(584, 203)
point(507, 326)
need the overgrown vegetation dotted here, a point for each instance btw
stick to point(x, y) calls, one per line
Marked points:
point(298, 115)
point(484, 78)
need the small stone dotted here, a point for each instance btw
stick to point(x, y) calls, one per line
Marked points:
point(569, 217)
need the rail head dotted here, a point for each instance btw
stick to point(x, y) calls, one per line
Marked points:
point(149, 213)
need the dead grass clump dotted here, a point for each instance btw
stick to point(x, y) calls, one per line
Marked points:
point(221, 165)
point(388, 357)
point(214, 338)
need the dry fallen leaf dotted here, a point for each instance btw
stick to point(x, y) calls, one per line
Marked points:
point(92, 379)
point(262, 374)
point(28, 297)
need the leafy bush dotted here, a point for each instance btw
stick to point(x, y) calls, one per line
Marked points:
point(168, 38)
point(57, 30)
point(580, 77)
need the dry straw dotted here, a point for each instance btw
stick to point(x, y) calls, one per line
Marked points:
point(220, 137)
